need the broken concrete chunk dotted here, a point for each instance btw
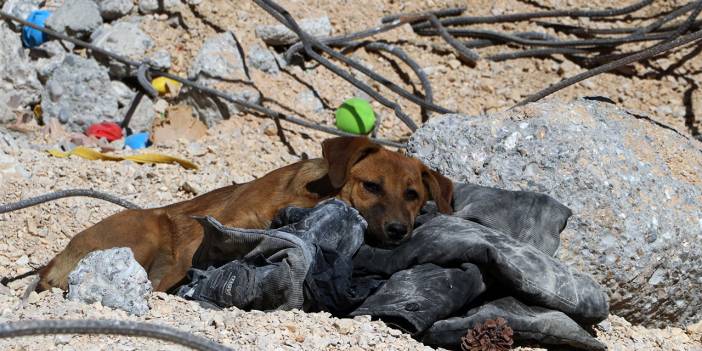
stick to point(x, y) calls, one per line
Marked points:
point(21, 9)
point(281, 35)
point(19, 86)
point(123, 92)
point(79, 93)
point(112, 277)
point(10, 167)
point(113, 9)
point(125, 39)
point(218, 65)
point(53, 51)
point(76, 17)
point(161, 59)
point(308, 101)
point(143, 116)
point(262, 59)
point(151, 6)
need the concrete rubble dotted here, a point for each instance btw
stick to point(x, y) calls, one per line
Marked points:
point(219, 65)
point(76, 17)
point(78, 93)
point(278, 34)
point(113, 278)
point(633, 186)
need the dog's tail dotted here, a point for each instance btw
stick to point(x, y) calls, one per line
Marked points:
point(6, 280)
point(32, 285)
point(66, 193)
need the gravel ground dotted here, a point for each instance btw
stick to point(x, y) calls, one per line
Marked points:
point(249, 146)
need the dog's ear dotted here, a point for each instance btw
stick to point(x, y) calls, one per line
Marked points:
point(440, 188)
point(342, 153)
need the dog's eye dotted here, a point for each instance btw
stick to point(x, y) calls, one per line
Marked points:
point(372, 187)
point(411, 195)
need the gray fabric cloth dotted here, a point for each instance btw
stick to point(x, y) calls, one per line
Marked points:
point(531, 218)
point(498, 245)
point(531, 324)
point(521, 268)
point(415, 298)
point(267, 269)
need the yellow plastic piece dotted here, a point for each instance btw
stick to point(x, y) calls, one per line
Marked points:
point(161, 84)
point(90, 154)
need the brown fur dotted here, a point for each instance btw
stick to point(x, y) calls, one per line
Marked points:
point(164, 239)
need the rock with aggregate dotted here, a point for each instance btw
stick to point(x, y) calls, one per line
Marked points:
point(79, 93)
point(10, 167)
point(143, 117)
point(113, 278)
point(279, 34)
point(219, 65)
point(123, 93)
point(634, 188)
point(151, 6)
point(262, 59)
point(19, 85)
point(53, 53)
point(76, 18)
point(125, 39)
point(161, 59)
point(113, 9)
point(308, 101)
point(21, 9)
point(12, 143)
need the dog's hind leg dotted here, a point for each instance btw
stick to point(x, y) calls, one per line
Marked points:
point(130, 228)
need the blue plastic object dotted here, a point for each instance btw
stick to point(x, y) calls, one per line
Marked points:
point(137, 141)
point(30, 36)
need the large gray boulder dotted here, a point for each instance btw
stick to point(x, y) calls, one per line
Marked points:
point(218, 65)
point(19, 85)
point(76, 17)
point(112, 277)
point(125, 39)
point(635, 189)
point(79, 93)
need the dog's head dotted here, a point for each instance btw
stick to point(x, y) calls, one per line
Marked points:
point(386, 187)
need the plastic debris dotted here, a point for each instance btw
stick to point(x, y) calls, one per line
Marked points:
point(90, 154)
point(166, 85)
point(108, 130)
point(31, 37)
point(137, 141)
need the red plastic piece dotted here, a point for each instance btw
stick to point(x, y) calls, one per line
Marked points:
point(108, 130)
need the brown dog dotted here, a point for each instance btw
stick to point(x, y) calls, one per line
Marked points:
point(387, 188)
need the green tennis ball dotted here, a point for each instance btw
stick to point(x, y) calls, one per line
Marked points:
point(355, 116)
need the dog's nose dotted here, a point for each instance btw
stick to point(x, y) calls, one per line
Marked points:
point(396, 231)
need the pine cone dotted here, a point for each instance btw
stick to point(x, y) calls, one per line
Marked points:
point(493, 335)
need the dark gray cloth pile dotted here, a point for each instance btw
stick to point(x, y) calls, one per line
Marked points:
point(492, 258)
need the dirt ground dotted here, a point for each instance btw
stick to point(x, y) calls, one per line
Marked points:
point(491, 86)
point(248, 146)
